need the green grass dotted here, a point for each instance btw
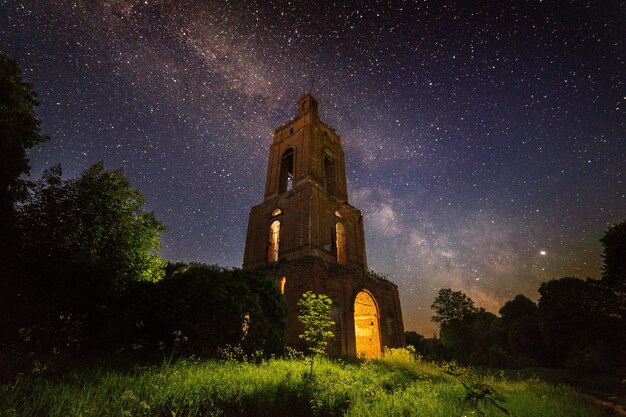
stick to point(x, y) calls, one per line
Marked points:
point(395, 385)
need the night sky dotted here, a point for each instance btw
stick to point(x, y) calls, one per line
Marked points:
point(485, 141)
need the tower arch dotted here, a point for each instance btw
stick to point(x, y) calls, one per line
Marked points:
point(367, 325)
point(285, 181)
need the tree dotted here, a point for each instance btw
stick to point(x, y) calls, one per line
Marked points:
point(315, 316)
point(520, 327)
point(579, 316)
point(614, 256)
point(84, 241)
point(19, 130)
point(468, 334)
point(451, 305)
point(94, 223)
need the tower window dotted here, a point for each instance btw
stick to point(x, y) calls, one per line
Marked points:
point(329, 175)
point(274, 240)
point(276, 212)
point(281, 284)
point(285, 182)
point(340, 240)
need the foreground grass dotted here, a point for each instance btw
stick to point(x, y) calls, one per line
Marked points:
point(396, 385)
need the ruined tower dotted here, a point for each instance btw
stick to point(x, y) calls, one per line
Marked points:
point(307, 235)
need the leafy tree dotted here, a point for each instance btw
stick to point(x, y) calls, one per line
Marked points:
point(520, 327)
point(469, 335)
point(472, 339)
point(95, 224)
point(19, 130)
point(614, 255)
point(577, 315)
point(84, 241)
point(315, 316)
point(451, 305)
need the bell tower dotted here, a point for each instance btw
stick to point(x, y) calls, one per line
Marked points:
point(307, 235)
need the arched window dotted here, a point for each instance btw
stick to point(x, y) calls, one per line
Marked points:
point(329, 174)
point(276, 212)
point(340, 231)
point(274, 239)
point(285, 182)
point(281, 284)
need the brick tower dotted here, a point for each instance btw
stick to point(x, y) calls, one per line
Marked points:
point(307, 235)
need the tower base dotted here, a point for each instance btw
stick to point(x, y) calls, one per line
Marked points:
point(366, 308)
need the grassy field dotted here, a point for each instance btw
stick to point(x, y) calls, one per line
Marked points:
point(395, 385)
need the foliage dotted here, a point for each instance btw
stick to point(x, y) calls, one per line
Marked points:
point(614, 256)
point(213, 307)
point(519, 327)
point(94, 224)
point(414, 339)
point(84, 241)
point(19, 130)
point(397, 385)
point(315, 316)
point(577, 314)
point(472, 340)
point(451, 305)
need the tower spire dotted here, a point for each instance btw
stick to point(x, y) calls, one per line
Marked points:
point(312, 82)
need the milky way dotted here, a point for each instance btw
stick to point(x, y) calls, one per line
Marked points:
point(485, 141)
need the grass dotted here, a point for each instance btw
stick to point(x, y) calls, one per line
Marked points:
point(395, 385)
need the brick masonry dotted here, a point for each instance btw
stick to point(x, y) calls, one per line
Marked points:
point(306, 192)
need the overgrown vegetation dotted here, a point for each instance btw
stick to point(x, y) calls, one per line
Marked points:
point(399, 384)
point(315, 317)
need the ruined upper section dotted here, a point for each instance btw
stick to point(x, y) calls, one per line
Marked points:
point(306, 151)
point(307, 104)
point(305, 211)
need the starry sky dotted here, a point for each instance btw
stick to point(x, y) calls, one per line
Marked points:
point(485, 141)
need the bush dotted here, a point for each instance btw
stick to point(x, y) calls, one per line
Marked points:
point(212, 307)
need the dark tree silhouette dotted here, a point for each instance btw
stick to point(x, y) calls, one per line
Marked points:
point(84, 241)
point(19, 130)
point(451, 305)
point(94, 223)
point(212, 307)
point(614, 255)
point(578, 319)
point(520, 327)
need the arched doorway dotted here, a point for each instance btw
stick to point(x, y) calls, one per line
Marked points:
point(366, 326)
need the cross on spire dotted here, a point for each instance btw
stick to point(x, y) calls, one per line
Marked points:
point(312, 81)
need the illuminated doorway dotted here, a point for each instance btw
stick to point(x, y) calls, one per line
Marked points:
point(366, 327)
